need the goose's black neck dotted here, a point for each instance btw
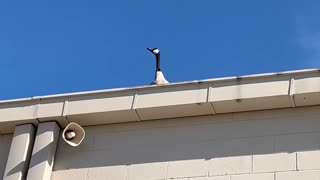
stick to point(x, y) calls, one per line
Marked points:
point(158, 62)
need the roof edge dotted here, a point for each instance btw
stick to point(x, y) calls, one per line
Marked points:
point(205, 81)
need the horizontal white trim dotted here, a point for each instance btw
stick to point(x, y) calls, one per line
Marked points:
point(212, 96)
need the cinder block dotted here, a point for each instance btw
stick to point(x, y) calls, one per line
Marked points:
point(274, 162)
point(75, 160)
point(208, 178)
point(196, 178)
point(279, 122)
point(297, 142)
point(269, 176)
point(230, 165)
point(220, 178)
point(72, 174)
point(241, 146)
point(188, 168)
point(110, 172)
point(308, 160)
point(298, 175)
point(147, 171)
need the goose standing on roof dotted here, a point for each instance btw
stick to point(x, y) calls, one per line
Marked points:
point(159, 77)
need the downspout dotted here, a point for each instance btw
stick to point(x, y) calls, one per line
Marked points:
point(32, 152)
point(20, 152)
point(44, 150)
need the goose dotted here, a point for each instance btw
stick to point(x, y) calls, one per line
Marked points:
point(159, 77)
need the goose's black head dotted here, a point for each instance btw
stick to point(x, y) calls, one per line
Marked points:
point(154, 51)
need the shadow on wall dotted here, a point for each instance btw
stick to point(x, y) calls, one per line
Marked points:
point(41, 155)
point(195, 138)
point(5, 142)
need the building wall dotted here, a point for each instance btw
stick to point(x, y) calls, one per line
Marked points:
point(281, 144)
point(5, 142)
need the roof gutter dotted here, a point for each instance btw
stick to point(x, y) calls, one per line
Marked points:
point(206, 97)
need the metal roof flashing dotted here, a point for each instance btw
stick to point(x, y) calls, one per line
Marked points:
point(183, 99)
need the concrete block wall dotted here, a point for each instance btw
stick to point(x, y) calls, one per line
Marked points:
point(282, 144)
point(5, 142)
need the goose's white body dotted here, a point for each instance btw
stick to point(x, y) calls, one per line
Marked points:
point(160, 79)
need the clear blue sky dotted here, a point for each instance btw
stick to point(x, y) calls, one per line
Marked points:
point(50, 47)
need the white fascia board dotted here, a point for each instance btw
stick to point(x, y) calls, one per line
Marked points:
point(101, 108)
point(306, 89)
point(213, 96)
point(188, 100)
point(251, 94)
point(18, 110)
